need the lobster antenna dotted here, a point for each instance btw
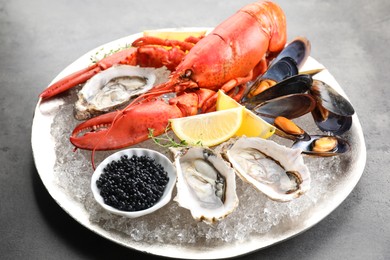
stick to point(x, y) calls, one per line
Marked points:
point(156, 91)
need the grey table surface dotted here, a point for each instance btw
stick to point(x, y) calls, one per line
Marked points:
point(39, 38)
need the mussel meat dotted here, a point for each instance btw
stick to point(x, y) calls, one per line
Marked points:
point(288, 129)
point(322, 145)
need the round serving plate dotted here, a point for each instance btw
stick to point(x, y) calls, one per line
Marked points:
point(44, 151)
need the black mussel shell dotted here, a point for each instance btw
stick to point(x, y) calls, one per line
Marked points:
point(307, 146)
point(295, 84)
point(290, 106)
point(333, 112)
point(281, 70)
point(332, 123)
point(330, 99)
point(298, 49)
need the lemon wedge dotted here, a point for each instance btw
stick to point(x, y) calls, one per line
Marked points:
point(208, 129)
point(252, 125)
point(179, 35)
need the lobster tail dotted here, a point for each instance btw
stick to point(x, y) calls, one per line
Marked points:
point(272, 22)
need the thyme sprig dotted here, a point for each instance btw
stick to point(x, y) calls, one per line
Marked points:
point(95, 58)
point(166, 140)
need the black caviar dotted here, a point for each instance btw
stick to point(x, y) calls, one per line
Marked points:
point(132, 184)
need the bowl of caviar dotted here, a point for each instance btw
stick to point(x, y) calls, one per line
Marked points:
point(134, 182)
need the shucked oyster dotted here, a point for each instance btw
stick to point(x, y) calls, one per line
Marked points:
point(206, 185)
point(277, 171)
point(114, 87)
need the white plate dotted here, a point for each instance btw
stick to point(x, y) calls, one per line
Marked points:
point(43, 145)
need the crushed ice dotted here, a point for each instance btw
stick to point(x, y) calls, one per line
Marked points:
point(255, 215)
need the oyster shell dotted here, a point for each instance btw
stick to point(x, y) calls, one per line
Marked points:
point(277, 171)
point(206, 184)
point(114, 87)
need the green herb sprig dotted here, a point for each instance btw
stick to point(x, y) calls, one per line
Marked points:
point(166, 140)
point(95, 57)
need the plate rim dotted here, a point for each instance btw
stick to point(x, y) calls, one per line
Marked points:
point(78, 212)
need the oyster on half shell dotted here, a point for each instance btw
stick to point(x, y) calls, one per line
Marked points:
point(277, 171)
point(206, 184)
point(115, 87)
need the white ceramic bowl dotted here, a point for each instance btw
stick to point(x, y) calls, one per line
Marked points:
point(159, 158)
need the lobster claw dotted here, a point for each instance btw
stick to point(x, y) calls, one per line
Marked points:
point(124, 128)
point(87, 134)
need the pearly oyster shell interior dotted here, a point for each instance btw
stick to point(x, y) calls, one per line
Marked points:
point(277, 171)
point(206, 184)
point(115, 87)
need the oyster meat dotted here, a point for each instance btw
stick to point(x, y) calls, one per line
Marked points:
point(115, 87)
point(206, 184)
point(277, 171)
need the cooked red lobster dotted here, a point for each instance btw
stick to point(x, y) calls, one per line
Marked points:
point(235, 52)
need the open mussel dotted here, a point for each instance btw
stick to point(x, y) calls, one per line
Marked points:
point(280, 71)
point(292, 85)
point(284, 66)
point(333, 113)
point(322, 145)
point(288, 99)
point(289, 106)
point(283, 93)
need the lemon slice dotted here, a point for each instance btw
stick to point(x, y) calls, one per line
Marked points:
point(179, 35)
point(208, 129)
point(252, 125)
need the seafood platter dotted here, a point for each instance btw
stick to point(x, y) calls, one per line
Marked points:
point(199, 142)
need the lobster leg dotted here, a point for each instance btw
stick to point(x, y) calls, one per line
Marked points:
point(155, 56)
point(149, 40)
point(157, 52)
point(209, 105)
